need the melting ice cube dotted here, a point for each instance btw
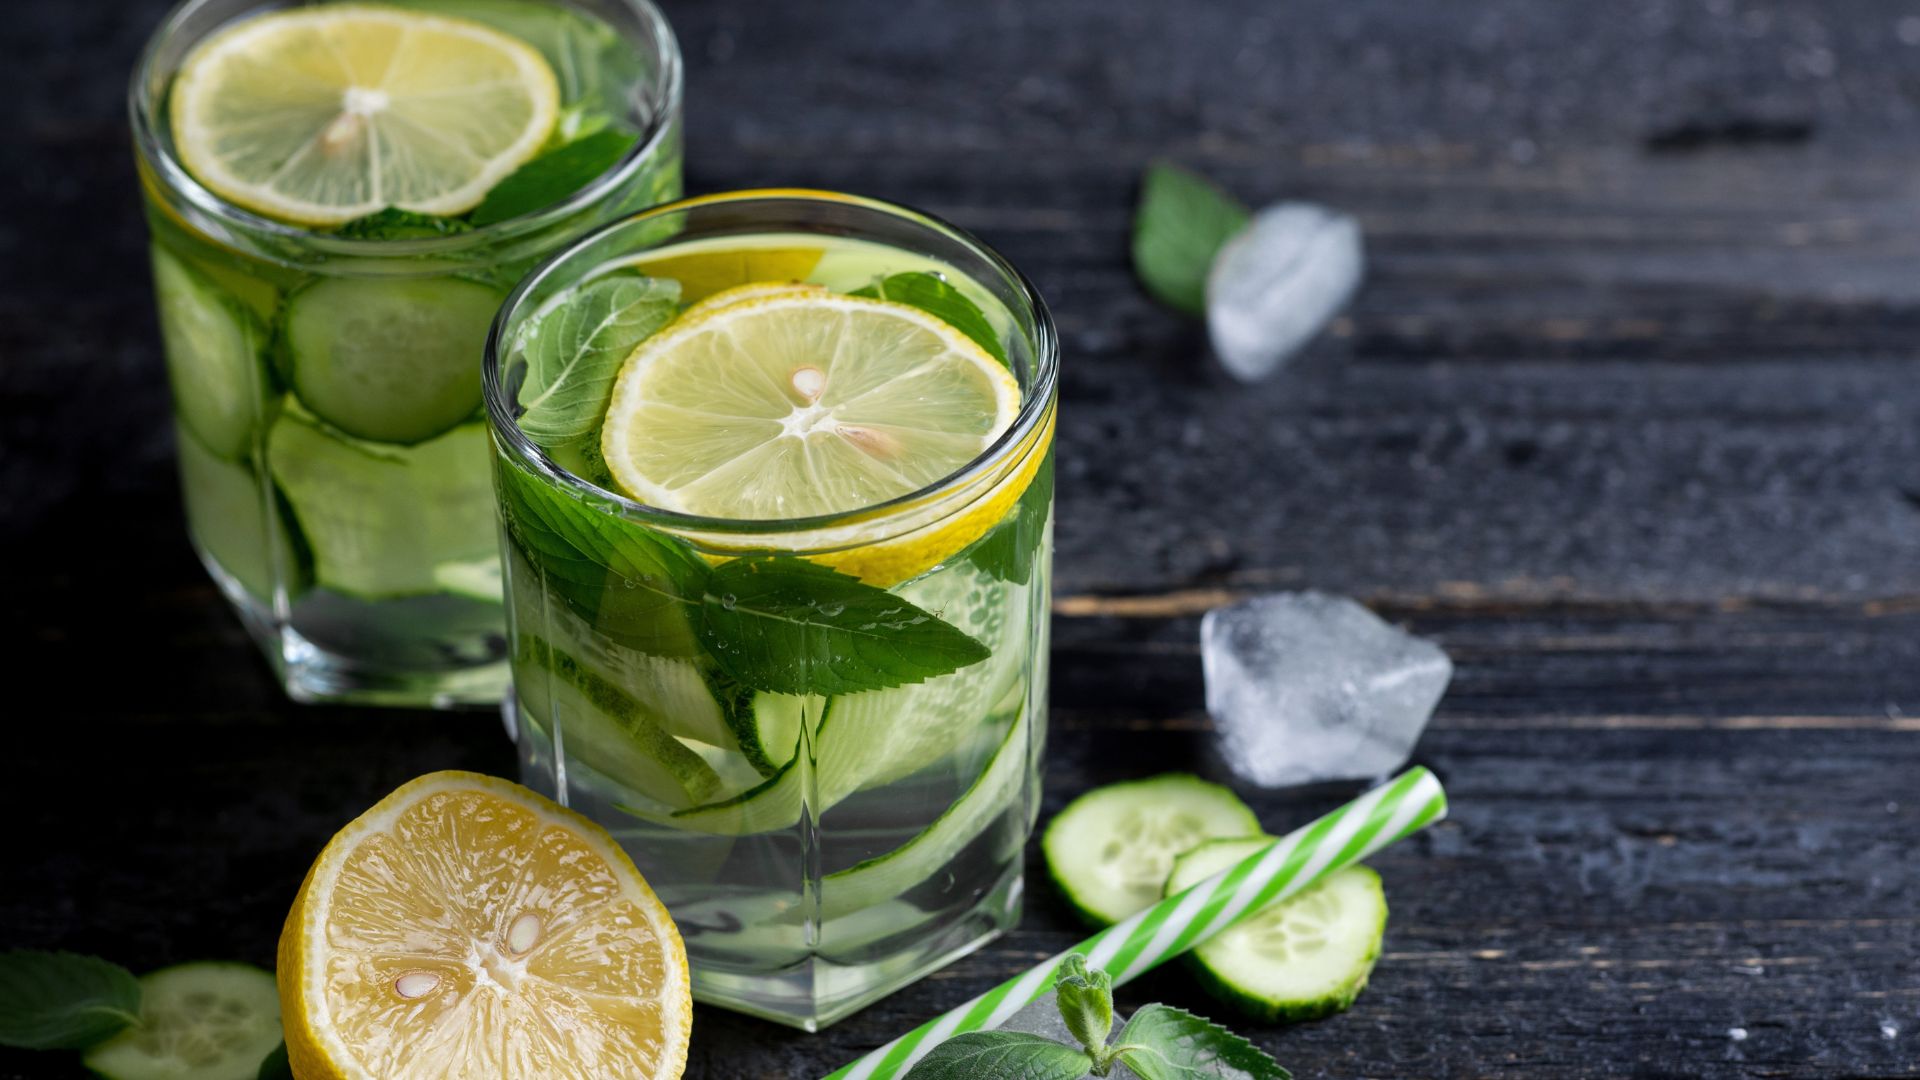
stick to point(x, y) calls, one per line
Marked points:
point(1272, 287)
point(1305, 687)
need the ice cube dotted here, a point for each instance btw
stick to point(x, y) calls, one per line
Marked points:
point(1305, 687)
point(1272, 287)
point(1042, 1018)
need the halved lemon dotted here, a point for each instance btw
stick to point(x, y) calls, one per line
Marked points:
point(465, 927)
point(801, 403)
point(319, 115)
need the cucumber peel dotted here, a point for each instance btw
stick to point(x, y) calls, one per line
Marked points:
point(1303, 958)
point(209, 1021)
point(1110, 850)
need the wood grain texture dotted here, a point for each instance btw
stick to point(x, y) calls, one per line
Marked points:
point(1624, 417)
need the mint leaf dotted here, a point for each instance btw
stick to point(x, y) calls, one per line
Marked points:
point(275, 1067)
point(639, 587)
point(781, 623)
point(931, 294)
point(396, 224)
point(1086, 1003)
point(575, 349)
point(1008, 551)
point(63, 1001)
point(1002, 1055)
point(1164, 1043)
point(1181, 223)
point(553, 176)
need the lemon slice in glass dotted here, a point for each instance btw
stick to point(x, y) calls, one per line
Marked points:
point(465, 926)
point(798, 403)
point(319, 115)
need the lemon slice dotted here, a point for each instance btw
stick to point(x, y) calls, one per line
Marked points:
point(319, 115)
point(799, 403)
point(467, 927)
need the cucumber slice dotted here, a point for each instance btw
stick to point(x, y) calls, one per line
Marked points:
point(885, 876)
point(392, 360)
point(383, 520)
point(1111, 849)
point(1306, 957)
point(237, 524)
point(202, 1021)
point(606, 729)
point(214, 357)
point(476, 579)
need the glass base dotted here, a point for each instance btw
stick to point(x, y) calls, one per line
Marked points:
point(830, 971)
point(313, 674)
point(818, 991)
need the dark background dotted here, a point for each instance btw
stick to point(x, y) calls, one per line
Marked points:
point(1624, 417)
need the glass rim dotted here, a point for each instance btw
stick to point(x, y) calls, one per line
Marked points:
point(143, 115)
point(1034, 410)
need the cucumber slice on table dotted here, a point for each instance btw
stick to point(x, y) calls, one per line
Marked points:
point(392, 360)
point(1306, 957)
point(197, 1022)
point(214, 357)
point(1111, 849)
point(385, 521)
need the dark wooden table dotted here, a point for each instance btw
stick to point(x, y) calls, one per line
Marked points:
point(1625, 417)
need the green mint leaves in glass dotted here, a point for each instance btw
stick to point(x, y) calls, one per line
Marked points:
point(328, 255)
point(775, 486)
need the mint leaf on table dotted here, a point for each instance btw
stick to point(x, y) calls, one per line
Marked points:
point(574, 351)
point(553, 176)
point(396, 224)
point(931, 294)
point(1007, 553)
point(1165, 1043)
point(1002, 1055)
point(1085, 1000)
point(63, 1001)
point(783, 624)
point(1181, 224)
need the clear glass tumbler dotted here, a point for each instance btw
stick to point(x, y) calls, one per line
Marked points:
point(349, 518)
point(818, 850)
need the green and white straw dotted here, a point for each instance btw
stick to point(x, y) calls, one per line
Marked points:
point(1411, 802)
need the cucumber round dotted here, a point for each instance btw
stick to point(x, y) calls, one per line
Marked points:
point(1111, 849)
point(384, 521)
point(204, 1021)
point(1306, 957)
point(392, 360)
point(214, 357)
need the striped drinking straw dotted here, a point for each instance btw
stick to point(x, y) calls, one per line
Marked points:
point(1411, 802)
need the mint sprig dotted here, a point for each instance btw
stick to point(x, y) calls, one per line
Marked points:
point(574, 351)
point(771, 622)
point(1181, 224)
point(932, 294)
point(63, 1001)
point(1159, 1043)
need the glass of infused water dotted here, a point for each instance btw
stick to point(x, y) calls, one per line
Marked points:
point(340, 195)
point(776, 488)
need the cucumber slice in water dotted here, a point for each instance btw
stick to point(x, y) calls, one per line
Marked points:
point(238, 524)
point(201, 1021)
point(384, 520)
point(1111, 849)
point(392, 360)
point(608, 730)
point(1306, 957)
point(214, 357)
